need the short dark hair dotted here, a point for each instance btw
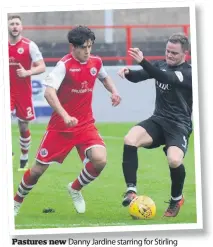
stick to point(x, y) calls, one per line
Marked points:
point(79, 35)
point(180, 38)
point(10, 17)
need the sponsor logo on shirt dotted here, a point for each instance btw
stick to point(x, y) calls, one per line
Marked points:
point(84, 84)
point(75, 70)
point(93, 71)
point(84, 88)
point(20, 50)
point(12, 61)
point(164, 87)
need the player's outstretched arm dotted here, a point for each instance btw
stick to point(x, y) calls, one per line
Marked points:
point(182, 78)
point(110, 86)
point(133, 75)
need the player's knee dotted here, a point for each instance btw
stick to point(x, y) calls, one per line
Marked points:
point(38, 169)
point(129, 140)
point(174, 161)
point(99, 162)
point(23, 126)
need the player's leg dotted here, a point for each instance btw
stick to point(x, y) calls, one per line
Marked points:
point(92, 152)
point(54, 147)
point(94, 160)
point(176, 146)
point(146, 134)
point(24, 140)
point(24, 113)
point(29, 180)
point(12, 110)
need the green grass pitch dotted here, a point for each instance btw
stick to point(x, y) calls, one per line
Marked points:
point(103, 197)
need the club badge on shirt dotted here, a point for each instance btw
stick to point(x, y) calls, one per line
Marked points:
point(93, 71)
point(20, 50)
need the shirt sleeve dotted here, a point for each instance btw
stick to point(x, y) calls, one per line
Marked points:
point(182, 78)
point(35, 52)
point(136, 76)
point(56, 76)
point(102, 74)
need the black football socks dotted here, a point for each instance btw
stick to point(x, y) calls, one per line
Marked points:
point(177, 177)
point(130, 165)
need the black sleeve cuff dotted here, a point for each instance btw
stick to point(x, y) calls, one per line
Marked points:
point(137, 75)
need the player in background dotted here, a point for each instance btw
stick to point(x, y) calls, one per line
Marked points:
point(69, 90)
point(170, 124)
point(25, 60)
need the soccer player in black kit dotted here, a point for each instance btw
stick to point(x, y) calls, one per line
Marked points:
point(170, 125)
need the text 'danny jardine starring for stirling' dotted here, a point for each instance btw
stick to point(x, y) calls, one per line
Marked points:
point(96, 242)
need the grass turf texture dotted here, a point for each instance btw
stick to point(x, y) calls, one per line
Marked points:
point(103, 196)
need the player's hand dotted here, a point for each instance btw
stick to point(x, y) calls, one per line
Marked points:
point(123, 71)
point(22, 72)
point(136, 53)
point(70, 121)
point(116, 99)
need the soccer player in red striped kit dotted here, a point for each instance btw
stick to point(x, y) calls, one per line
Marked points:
point(25, 60)
point(69, 89)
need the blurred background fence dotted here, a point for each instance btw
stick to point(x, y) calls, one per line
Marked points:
point(115, 30)
point(114, 52)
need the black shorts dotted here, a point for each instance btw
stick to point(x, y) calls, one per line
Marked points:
point(164, 132)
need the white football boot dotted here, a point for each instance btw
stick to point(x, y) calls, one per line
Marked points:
point(77, 198)
point(17, 206)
